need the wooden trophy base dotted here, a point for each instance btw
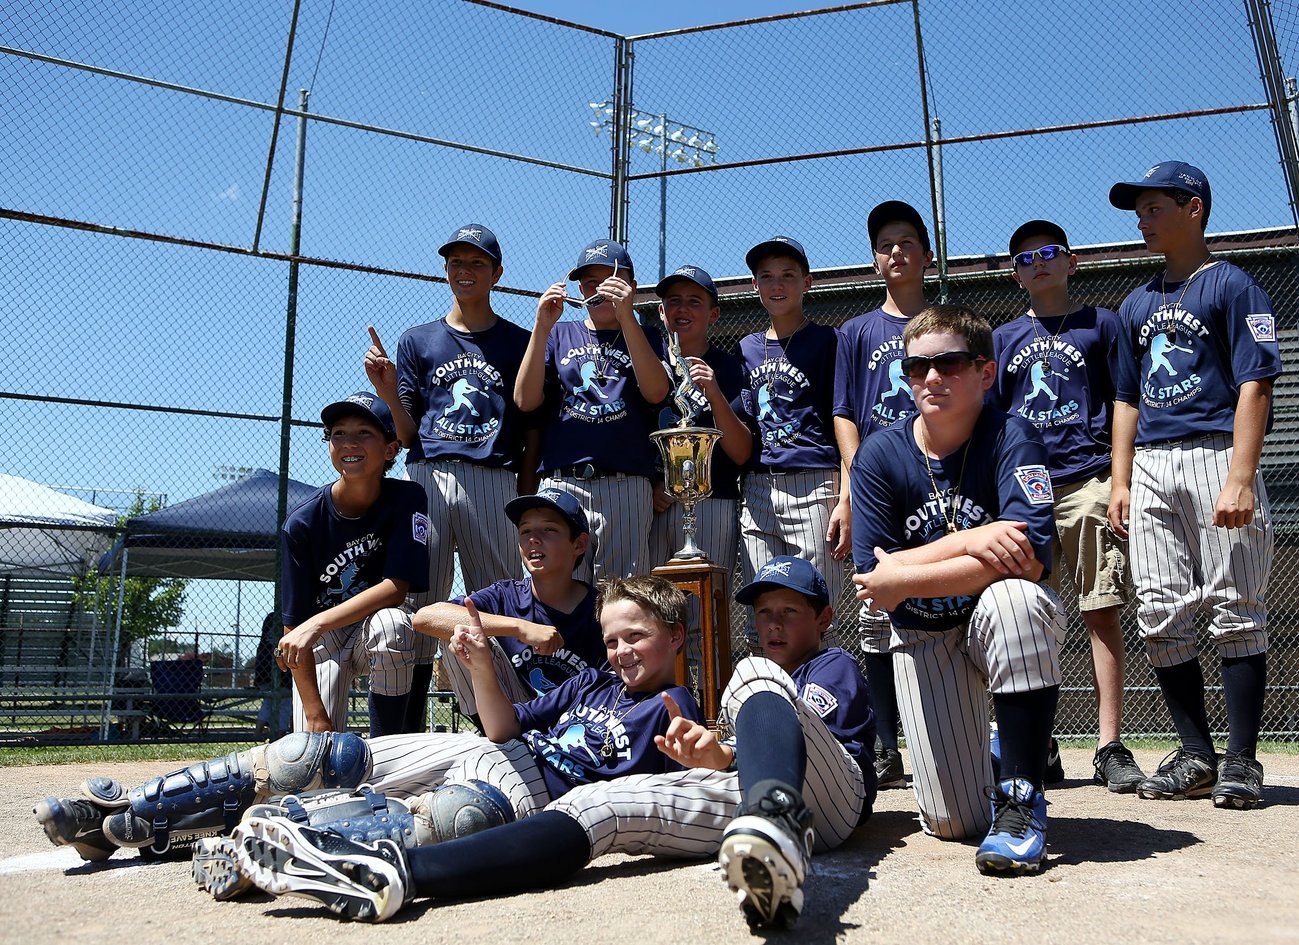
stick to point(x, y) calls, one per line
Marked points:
point(711, 584)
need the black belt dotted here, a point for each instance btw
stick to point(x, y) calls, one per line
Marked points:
point(789, 470)
point(584, 471)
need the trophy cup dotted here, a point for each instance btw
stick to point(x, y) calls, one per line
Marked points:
point(687, 452)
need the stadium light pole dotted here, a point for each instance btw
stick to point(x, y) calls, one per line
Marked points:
point(655, 133)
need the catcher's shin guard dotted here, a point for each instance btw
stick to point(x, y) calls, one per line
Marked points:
point(207, 798)
point(361, 815)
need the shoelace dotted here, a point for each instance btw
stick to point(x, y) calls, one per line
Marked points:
point(1013, 816)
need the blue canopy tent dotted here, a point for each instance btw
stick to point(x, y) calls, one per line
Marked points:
point(227, 534)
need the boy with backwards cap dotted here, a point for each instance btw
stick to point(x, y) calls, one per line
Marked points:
point(451, 393)
point(1197, 356)
point(597, 382)
point(1057, 372)
point(689, 307)
point(351, 554)
point(541, 630)
point(795, 498)
point(871, 393)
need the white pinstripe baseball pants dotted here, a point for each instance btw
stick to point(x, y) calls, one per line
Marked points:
point(466, 511)
point(788, 514)
point(1181, 562)
point(381, 646)
point(619, 508)
point(408, 765)
point(683, 813)
point(1011, 644)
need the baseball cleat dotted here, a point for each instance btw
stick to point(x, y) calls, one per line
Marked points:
point(1116, 768)
point(1017, 841)
point(78, 823)
point(888, 768)
point(366, 882)
point(1181, 775)
point(215, 870)
point(1240, 782)
point(764, 858)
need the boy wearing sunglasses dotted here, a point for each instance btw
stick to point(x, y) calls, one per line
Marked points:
point(1198, 355)
point(952, 532)
point(871, 393)
point(1057, 373)
point(597, 382)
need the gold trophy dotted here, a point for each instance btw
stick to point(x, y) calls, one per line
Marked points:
point(687, 452)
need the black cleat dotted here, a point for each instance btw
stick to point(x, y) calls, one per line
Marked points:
point(1116, 768)
point(1240, 782)
point(764, 858)
point(1181, 775)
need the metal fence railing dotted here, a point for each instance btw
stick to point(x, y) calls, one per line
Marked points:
point(164, 187)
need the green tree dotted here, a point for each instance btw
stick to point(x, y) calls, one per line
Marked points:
point(149, 605)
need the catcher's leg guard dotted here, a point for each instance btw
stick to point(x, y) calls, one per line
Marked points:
point(362, 815)
point(207, 798)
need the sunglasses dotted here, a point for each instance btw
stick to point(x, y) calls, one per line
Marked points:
point(947, 363)
point(1048, 253)
point(596, 299)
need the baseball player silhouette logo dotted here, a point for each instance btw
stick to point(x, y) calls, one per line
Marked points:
point(898, 382)
point(767, 396)
point(572, 741)
point(1159, 349)
point(590, 377)
point(1038, 374)
point(539, 683)
point(460, 392)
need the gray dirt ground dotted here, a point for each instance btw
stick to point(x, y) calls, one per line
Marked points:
point(1120, 870)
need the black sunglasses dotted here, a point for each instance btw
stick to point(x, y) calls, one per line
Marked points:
point(1047, 252)
point(947, 363)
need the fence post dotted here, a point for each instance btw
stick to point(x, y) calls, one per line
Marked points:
point(940, 225)
point(624, 56)
point(1280, 96)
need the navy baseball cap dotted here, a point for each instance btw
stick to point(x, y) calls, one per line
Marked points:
point(562, 502)
point(1052, 231)
point(786, 571)
point(689, 274)
point(475, 235)
point(603, 253)
point(896, 211)
point(365, 404)
point(1166, 175)
point(776, 246)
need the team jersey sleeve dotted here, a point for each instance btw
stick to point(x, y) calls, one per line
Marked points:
point(1251, 336)
point(835, 689)
point(845, 395)
point(1024, 486)
point(543, 712)
point(406, 548)
point(408, 379)
point(489, 599)
point(295, 577)
point(999, 395)
point(873, 503)
point(1127, 361)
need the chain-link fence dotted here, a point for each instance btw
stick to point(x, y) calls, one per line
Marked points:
point(194, 247)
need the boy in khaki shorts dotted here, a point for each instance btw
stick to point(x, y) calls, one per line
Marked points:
point(1057, 372)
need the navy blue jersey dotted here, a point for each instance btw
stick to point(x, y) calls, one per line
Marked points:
point(730, 378)
point(788, 397)
point(869, 386)
point(458, 386)
point(895, 507)
point(591, 729)
point(832, 684)
point(594, 408)
point(1184, 364)
point(583, 637)
point(1058, 374)
point(328, 558)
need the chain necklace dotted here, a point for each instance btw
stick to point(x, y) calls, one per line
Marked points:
point(606, 750)
point(949, 523)
point(1170, 326)
point(784, 353)
point(1053, 339)
point(597, 349)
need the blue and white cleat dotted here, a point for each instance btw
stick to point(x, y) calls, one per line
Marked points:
point(1017, 841)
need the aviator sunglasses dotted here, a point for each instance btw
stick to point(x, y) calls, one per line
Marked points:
point(947, 363)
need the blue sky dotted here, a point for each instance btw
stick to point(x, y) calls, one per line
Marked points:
point(120, 320)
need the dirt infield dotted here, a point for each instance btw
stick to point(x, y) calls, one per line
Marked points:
point(1120, 870)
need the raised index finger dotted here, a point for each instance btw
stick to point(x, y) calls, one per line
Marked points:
point(374, 339)
point(674, 710)
point(474, 619)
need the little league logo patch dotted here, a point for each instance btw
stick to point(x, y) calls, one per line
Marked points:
point(1036, 484)
point(419, 525)
point(821, 700)
point(1262, 326)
